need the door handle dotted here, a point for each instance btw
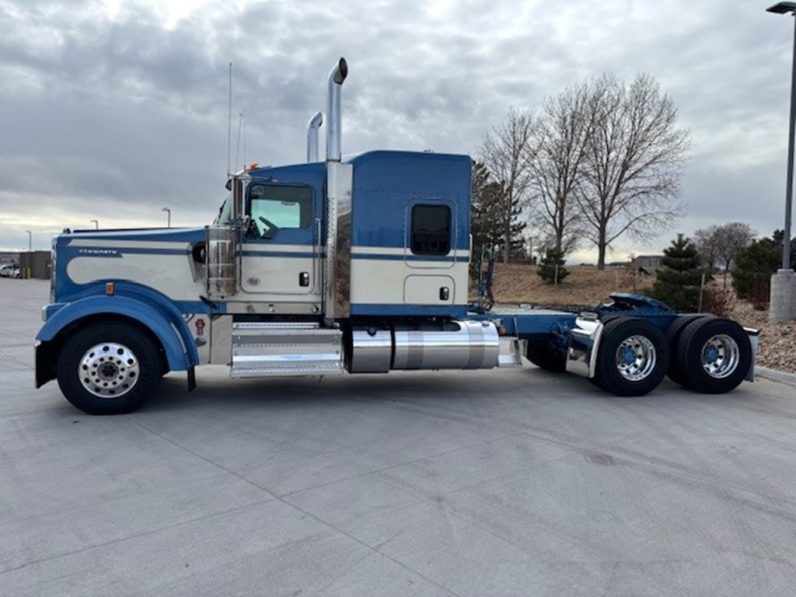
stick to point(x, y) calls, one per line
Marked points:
point(444, 293)
point(304, 279)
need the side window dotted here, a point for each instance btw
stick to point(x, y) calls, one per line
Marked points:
point(274, 207)
point(431, 230)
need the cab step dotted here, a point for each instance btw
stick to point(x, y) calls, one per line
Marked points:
point(285, 349)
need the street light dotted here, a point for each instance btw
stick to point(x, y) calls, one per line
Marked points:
point(30, 240)
point(168, 216)
point(782, 305)
point(96, 224)
point(789, 8)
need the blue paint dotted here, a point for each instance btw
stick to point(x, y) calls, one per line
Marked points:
point(528, 324)
point(161, 317)
point(304, 175)
point(383, 310)
point(66, 290)
point(711, 354)
point(410, 257)
point(140, 234)
point(70, 252)
point(387, 184)
point(266, 253)
point(628, 355)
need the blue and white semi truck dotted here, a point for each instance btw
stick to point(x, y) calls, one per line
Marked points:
point(348, 265)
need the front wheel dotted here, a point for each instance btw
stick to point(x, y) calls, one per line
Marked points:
point(109, 369)
point(632, 357)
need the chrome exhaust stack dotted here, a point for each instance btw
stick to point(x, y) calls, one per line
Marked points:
point(313, 126)
point(333, 114)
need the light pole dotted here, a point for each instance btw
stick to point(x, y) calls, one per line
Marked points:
point(96, 224)
point(782, 304)
point(30, 241)
point(168, 216)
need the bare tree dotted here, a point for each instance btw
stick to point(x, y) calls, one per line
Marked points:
point(634, 159)
point(505, 152)
point(705, 241)
point(556, 164)
point(730, 239)
point(721, 244)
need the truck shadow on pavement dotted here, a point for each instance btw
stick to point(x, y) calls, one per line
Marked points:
point(440, 388)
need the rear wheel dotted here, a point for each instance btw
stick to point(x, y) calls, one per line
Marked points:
point(672, 338)
point(632, 358)
point(714, 355)
point(109, 369)
point(547, 354)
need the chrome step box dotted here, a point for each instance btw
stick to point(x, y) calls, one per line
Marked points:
point(285, 349)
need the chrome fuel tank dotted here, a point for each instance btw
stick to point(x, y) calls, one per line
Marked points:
point(458, 345)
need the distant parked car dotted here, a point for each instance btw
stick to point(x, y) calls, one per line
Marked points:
point(9, 270)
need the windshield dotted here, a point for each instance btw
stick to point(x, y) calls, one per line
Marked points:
point(224, 212)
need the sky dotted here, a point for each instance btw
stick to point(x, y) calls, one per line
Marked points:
point(112, 110)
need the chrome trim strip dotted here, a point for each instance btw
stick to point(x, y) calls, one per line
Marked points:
point(337, 282)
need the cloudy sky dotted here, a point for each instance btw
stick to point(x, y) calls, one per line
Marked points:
point(113, 109)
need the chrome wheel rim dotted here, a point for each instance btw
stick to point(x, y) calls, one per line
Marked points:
point(108, 370)
point(636, 358)
point(720, 356)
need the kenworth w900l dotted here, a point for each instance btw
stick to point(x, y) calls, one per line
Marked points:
point(348, 265)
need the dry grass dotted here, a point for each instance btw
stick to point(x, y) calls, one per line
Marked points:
point(585, 286)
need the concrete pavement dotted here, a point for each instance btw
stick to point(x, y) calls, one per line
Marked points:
point(473, 484)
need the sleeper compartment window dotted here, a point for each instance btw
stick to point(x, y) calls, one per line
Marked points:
point(431, 230)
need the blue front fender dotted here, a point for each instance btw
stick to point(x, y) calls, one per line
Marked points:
point(162, 319)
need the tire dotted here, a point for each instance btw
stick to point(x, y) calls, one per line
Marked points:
point(713, 355)
point(109, 369)
point(547, 354)
point(672, 338)
point(632, 357)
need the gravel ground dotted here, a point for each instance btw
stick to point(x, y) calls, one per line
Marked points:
point(777, 340)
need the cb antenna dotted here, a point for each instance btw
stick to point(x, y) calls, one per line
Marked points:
point(237, 143)
point(229, 126)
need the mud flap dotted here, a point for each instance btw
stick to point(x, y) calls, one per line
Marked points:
point(191, 379)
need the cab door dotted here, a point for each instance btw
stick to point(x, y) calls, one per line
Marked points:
point(281, 254)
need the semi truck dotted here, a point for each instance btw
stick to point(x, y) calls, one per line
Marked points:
point(347, 265)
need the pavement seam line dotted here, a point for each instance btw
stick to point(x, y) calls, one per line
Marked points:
point(370, 547)
point(134, 536)
point(399, 464)
point(204, 458)
point(293, 506)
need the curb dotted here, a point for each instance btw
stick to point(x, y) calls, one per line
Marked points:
point(774, 375)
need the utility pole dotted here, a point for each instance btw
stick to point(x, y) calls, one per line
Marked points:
point(783, 283)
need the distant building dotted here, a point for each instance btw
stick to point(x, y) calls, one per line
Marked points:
point(35, 264)
point(649, 263)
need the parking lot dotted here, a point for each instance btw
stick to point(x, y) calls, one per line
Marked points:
point(510, 482)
